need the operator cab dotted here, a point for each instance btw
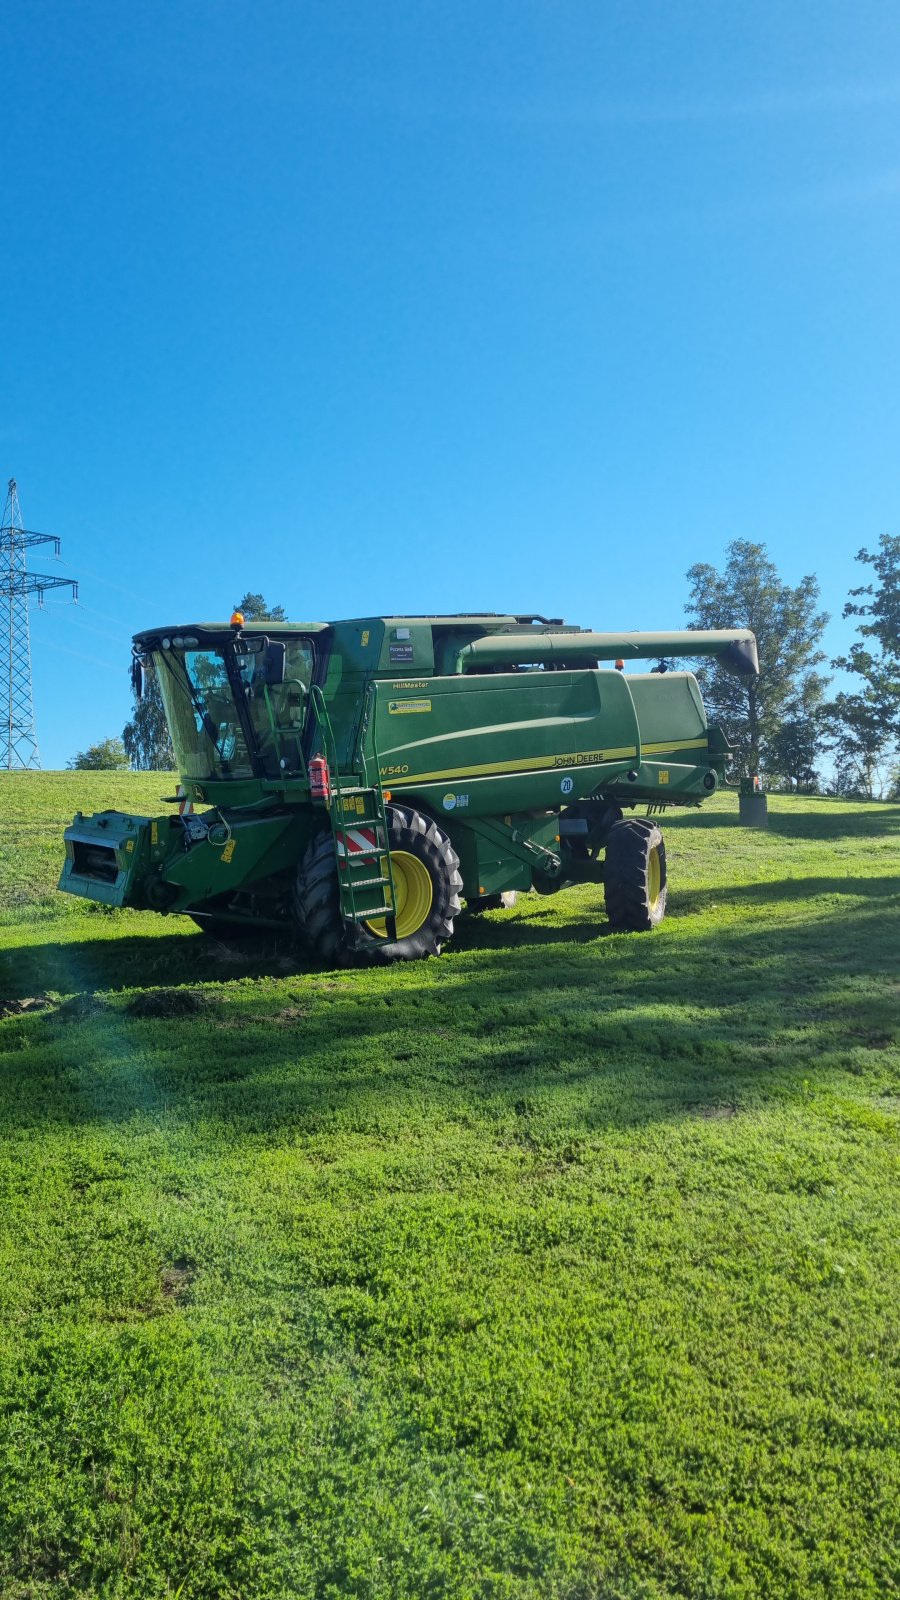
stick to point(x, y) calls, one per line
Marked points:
point(235, 701)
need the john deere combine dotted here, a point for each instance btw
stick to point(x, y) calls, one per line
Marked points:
point(359, 779)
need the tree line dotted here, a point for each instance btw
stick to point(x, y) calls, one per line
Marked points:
point(782, 724)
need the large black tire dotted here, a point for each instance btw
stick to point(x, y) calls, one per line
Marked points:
point(634, 875)
point(493, 902)
point(316, 903)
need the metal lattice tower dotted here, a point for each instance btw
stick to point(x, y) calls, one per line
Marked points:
point(18, 740)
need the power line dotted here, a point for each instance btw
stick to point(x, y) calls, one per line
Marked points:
point(18, 739)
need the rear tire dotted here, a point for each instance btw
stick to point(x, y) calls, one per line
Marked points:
point(317, 907)
point(634, 876)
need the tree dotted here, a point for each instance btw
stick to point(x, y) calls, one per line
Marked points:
point(146, 736)
point(253, 608)
point(858, 732)
point(884, 611)
point(750, 594)
point(108, 755)
point(792, 752)
point(864, 723)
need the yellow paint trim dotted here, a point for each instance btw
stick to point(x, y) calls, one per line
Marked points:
point(682, 744)
point(540, 764)
point(532, 764)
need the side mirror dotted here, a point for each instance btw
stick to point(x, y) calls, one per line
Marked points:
point(137, 677)
point(273, 664)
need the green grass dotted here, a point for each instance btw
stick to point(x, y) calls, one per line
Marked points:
point(564, 1266)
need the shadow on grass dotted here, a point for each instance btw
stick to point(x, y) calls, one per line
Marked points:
point(81, 966)
point(587, 1037)
point(691, 901)
point(125, 961)
point(844, 822)
point(864, 824)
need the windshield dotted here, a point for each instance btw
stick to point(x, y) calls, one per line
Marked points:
point(278, 711)
point(207, 733)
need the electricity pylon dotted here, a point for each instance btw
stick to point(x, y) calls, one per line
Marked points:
point(18, 740)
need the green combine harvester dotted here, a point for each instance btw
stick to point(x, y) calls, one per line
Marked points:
point(360, 779)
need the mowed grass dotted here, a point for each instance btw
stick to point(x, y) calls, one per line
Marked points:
point(563, 1266)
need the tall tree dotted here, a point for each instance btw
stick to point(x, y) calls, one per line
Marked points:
point(863, 723)
point(883, 610)
point(253, 608)
point(146, 736)
point(749, 593)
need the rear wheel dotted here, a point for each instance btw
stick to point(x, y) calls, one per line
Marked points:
point(427, 883)
point(634, 875)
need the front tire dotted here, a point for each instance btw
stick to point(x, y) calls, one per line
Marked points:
point(427, 880)
point(634, 876)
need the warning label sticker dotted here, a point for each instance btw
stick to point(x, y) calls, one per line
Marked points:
point(399, 708)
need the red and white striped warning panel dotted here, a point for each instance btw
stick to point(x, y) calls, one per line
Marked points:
point(185, 803)
point(357, 842)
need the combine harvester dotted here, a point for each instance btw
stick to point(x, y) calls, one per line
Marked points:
point(362, 777)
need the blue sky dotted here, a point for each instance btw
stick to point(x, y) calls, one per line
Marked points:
point(441, 306)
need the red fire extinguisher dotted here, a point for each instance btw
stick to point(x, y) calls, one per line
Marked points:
point(319, 779)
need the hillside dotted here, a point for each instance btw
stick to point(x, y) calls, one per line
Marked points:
point(562, 1267)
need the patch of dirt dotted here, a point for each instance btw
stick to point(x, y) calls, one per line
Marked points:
point(226, 955)
point(18, 1008)
point(292, 1013)
point(81, 1005)
point(176, 1279)
point(167, 1003)
point(715, 1113)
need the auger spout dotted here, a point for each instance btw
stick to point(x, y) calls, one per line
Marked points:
point(735, 648)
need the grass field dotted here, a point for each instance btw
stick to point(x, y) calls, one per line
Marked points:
point(562, 1268)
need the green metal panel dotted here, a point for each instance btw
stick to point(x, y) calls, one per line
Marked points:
point(670, 713)
point(505, 742)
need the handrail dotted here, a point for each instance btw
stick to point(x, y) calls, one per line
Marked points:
point(373, 690)
point(346, 881)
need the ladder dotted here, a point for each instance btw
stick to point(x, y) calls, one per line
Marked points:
point(360, 834)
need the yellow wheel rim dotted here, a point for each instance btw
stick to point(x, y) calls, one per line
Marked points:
point(654, 878)
point(414, 891)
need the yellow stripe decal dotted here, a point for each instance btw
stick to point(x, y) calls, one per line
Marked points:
point(682, 744)
point(532, 764)
point(536, 765)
